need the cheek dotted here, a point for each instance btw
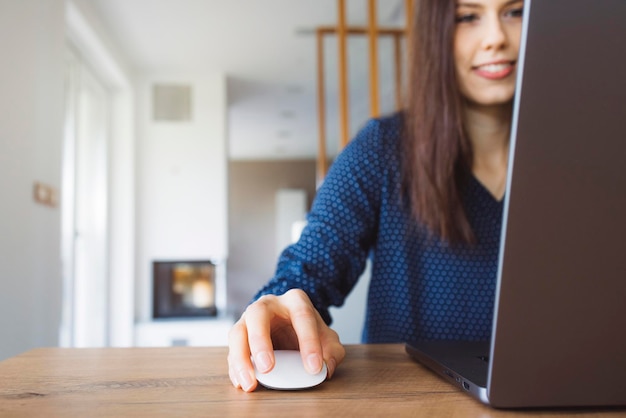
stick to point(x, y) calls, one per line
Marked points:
point(459, 62)
point(515, 36)
point(458, 49)
point(463, 67)
point(464, 49)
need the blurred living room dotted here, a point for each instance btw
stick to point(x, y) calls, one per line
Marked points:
point(157, 156)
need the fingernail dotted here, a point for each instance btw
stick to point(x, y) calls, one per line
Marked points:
point(314, 363)
point(245, 380)
point(263, 361)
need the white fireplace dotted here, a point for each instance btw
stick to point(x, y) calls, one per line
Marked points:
point(195, 314)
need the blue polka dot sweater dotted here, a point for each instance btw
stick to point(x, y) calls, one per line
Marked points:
point(421, 288)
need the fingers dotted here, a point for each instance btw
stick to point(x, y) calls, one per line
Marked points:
point(318, 343)
point(289, 321)
point(305, 321)
point(250, 338)
point(240, 368)
point(334, 352)
point(258, 317)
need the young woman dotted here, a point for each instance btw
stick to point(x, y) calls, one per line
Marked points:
point(419, 192)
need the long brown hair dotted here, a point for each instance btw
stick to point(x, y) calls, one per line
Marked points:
point(437, 154)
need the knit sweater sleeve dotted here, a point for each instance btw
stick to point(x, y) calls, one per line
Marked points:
point(341, 228)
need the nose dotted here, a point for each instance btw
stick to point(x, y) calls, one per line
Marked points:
point(495, 36)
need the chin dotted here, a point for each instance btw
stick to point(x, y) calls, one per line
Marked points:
point(493, 100)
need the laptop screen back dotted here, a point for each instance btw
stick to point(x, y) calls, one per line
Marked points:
point(559, 328)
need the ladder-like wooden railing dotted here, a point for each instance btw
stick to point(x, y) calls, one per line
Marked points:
point(342, 31)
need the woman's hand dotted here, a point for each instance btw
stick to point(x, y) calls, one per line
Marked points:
point(287, 322)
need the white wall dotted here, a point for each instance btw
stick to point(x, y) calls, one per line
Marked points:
point(348, 320)
point(291, 208)
point(181, 182)
point(32, 41)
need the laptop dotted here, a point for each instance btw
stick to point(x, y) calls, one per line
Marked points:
point(559, 326)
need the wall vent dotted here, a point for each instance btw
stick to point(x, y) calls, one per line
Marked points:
point(171, 102)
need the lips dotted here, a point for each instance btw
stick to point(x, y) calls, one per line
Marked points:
point(495, 70)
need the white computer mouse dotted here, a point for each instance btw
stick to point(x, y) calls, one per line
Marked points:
point(289, 373)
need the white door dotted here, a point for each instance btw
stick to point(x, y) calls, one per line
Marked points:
point(85, 190)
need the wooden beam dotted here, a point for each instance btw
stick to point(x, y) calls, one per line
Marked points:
point(361, 30)
point(344, 121)
point(322, 162)
point(409, 7)
point(373, 56)
point(397, 44)
point(342, 31)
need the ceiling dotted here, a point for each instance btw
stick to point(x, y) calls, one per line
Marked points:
point(267, 50)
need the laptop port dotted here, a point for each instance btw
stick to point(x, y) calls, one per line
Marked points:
point(466, 386)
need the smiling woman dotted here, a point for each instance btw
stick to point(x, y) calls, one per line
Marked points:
point(486, 49)
point(487, 40)
point(419, 193)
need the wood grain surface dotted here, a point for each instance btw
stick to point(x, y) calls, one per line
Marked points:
point(374, 380)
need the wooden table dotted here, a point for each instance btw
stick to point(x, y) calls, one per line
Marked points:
point(374, 380)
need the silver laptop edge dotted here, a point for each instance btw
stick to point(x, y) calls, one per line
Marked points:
point(483, 392)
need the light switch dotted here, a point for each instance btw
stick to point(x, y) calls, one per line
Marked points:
point(45, 194)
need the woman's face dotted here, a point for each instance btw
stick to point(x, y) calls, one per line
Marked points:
point(486, 46)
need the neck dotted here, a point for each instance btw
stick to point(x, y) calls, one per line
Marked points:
point(488, 129)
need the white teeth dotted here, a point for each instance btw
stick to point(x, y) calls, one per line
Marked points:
point(494, 68)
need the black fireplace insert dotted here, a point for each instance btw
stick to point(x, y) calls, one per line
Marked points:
point(183, 289)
